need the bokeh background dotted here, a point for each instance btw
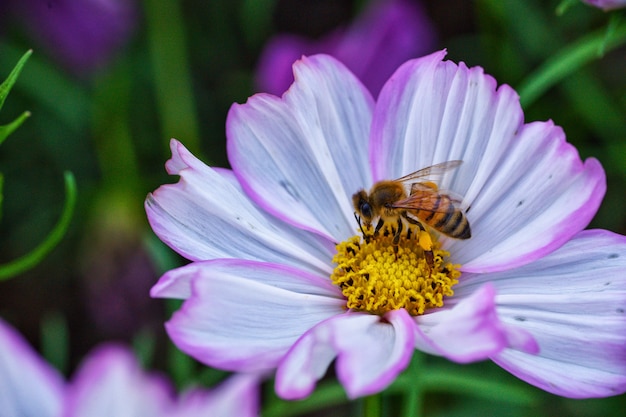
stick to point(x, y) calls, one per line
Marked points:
point(110, 81)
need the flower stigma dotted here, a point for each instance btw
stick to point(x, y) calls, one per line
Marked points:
point(377, 276)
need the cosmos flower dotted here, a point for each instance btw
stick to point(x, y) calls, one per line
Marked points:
point(282, 277)
point(606, 4)
point(108, 383)
point(385, 35)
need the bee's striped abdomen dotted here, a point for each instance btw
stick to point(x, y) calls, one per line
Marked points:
point(445, 217)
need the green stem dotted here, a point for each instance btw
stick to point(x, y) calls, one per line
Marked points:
point(31, 259)
point(414, 390)
point(172, 78)
point(567, 61)
point(372, 406)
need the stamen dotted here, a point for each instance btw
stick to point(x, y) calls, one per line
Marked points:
point(377, 276)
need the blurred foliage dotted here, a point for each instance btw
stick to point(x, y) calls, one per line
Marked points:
point(36, 255)
point(177, 77)
point(5, 89)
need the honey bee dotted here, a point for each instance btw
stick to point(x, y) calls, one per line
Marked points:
point(416, 199)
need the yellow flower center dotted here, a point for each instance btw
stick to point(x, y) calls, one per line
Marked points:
point(376, 275)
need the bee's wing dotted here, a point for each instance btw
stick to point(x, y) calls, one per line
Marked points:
point(425, 197)
point(432, 173)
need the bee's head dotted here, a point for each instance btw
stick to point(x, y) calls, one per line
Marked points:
point(363, 208)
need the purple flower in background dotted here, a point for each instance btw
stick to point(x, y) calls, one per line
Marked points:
point(108, 383)
point(82, 35)
point(279, 280)
point(606, 4)
point(384, 36)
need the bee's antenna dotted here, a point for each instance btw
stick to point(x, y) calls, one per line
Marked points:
point(358, 220)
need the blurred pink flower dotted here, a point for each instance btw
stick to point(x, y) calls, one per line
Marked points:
point(82, 35)
point(606, 4)
point(384, 36)
point(108, 383)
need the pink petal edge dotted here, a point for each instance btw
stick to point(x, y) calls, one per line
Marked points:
point(370, 354)
point(471, 330)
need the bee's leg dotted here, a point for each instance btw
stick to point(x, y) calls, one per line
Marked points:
point(379, 226)
point(396, 237)
point(366, 237)
point(425, 242)
point(414, 222)
point(397, 233)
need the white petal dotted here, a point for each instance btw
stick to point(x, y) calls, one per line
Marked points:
point(573, 302)
point(372, 356)
point(566, 378)
point(432, 111)
point(176, 283)
point(305, 363)
point(302, 156)
point(370, 353)
point(538, 198)
point(205, 216)
point(28, 385)
point(526, 188)
point(239, 318)
point(470, 330)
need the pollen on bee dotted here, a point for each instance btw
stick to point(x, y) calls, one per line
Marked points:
point(377, 275)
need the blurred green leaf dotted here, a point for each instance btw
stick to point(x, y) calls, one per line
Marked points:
point(614, 23)
point(180, 366)
point(112, 134)
point(144, 346)
point(173, 85)
point(162, 256)
point(55, 341)
point(465, 380)
point(327, 394)
point(6, 86)
point(595, 107)
point(569, 60)
point(46, 85)
point(209, 377)
point(1, 193)
point(414, 393)
point(372, 405)
point(256, 20)
point(6, 130)
point(475, 384)
point(31, 259)
point(565, 5)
